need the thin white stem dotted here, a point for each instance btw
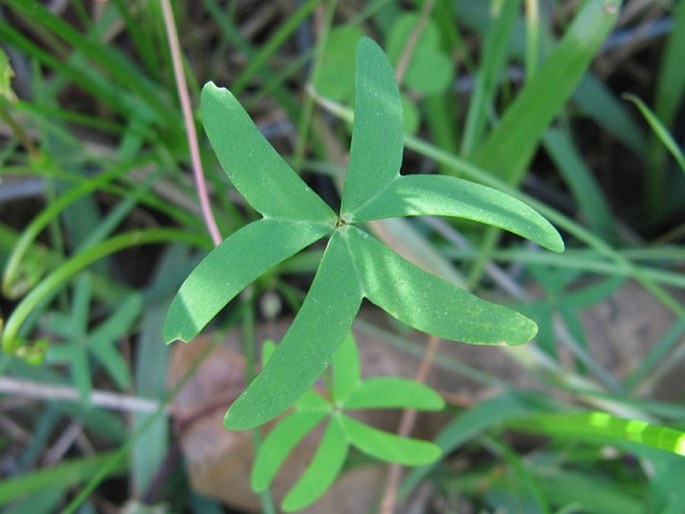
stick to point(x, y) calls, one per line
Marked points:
point(103, 399)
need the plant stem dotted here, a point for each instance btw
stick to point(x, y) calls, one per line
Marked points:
point(412, 40)
point(19, 132)
point(184, 98)
point(406, 425)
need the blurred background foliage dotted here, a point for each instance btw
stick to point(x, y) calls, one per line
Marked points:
point(100, 223)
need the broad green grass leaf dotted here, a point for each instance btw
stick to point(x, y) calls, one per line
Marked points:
point(428, 303)
point(377, 136)
point(394, 392)
point(511, 144)
point(278, 444)
point(422, 195)
point(266, 181)
point(386, 446)
point(322, 471)
point(309, 344)
point(347, 374)
point(230, 267)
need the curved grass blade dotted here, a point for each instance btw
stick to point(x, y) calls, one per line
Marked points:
point(428, 303)
point(394, 392)
point(12, 274)
point(377, 135)
point(232, 266)
point(266, 181)
point(428, 195)
point(279, 443)
point(309, 344)
point(50, 286)
point(660, 130)
point(386, 446)
point(322, 471)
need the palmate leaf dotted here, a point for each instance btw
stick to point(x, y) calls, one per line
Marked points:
point(354, 265)
point(347, 391)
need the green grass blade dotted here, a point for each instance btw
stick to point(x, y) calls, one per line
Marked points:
point(243, 257)
point(13, 277)
point(376, 149)
point(468, 425)
point(671, 78)
point(660, 130)
point(278, 444)
point(49, 287)
point(103, 340)
point(322, 470)
point(151, 368)
point(587, 491)
point(495, 50)
point(66, 474)
point(424, 195)
point(606, 109)
point(266, 181)
point(582, 183)
point(309, 344)
point(388, 447)
point(283, 32)
point(393, 392)
point(119, 69)
point(511, 144)
point(603, 426)
point(428, 303)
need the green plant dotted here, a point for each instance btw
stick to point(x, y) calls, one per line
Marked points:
point(354, 265)
point(345, 391)
point(95, 120)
